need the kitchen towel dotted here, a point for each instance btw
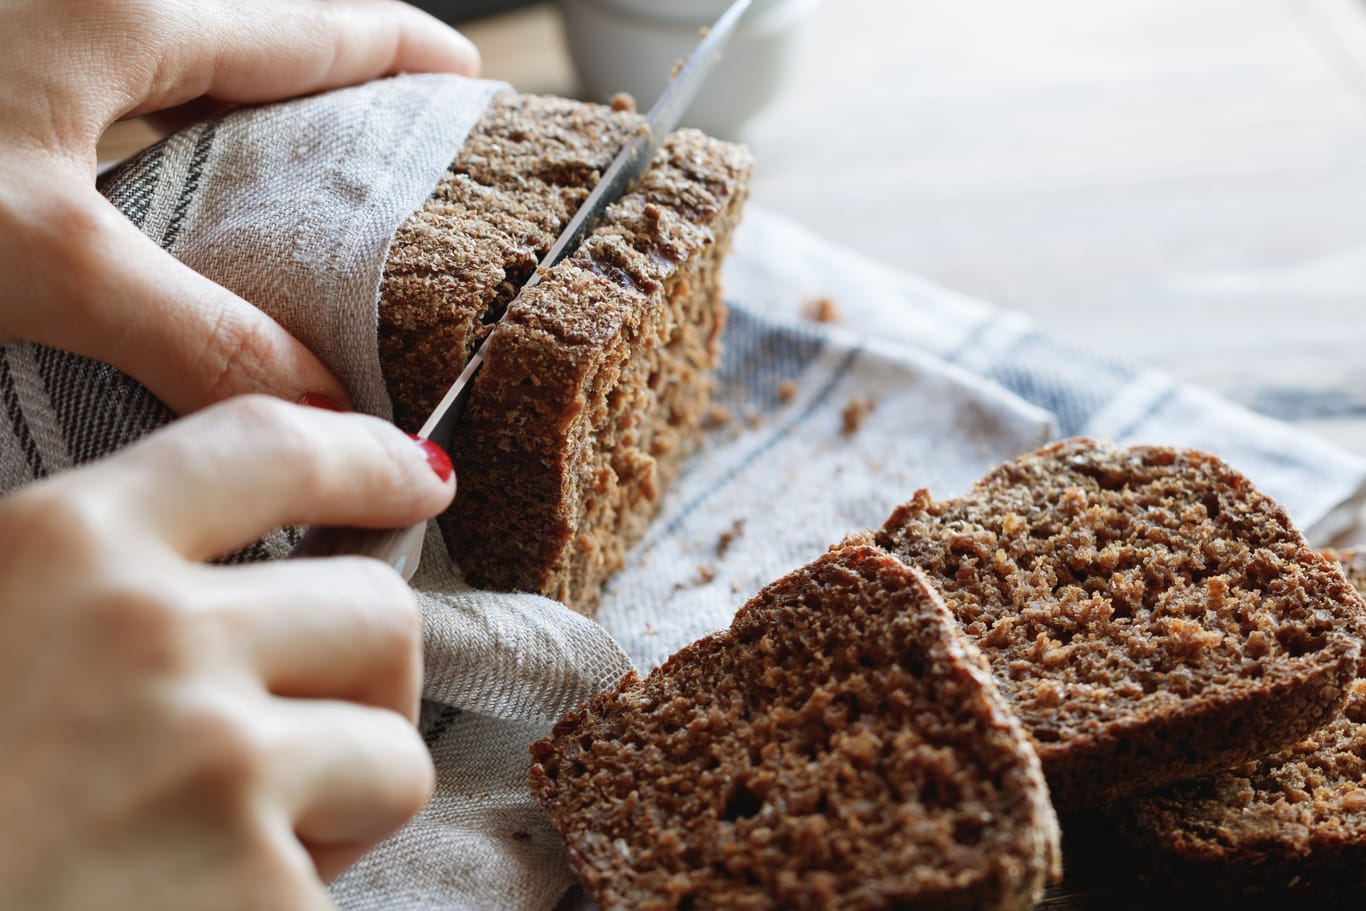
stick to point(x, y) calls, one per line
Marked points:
point(293, 206)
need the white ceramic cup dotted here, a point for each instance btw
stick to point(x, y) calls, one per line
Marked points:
point(633, 45)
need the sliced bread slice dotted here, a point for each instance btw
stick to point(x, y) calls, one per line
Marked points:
point(1148, 613)
point(1282, 831)
point(839, 747)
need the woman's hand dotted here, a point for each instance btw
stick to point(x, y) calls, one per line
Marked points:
point(78, 275)
point(184, 736)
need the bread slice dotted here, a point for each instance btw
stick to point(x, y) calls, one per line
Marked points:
point(595, 386)
point(1286, 830)
point(839, 747)
point(1149, 615)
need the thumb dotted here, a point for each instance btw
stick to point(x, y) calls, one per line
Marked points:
point(101, 288)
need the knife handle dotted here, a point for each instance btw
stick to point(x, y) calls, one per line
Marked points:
point(401, 548)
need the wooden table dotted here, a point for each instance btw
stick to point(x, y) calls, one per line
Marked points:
point(1179, 182)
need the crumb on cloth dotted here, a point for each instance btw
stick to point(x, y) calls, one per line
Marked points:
point(822, 310)
point(717, 416)
point(706, 573)
point(786, 391)
point(729, 536)
point(855, 414)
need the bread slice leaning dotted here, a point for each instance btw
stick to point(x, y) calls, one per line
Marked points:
point(839, 747)
point(1285, 831)
point(1147, 612)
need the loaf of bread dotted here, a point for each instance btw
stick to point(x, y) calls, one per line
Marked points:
point(594, 387)
point(1149, 615)
point(841, 746)
point(1285, 831)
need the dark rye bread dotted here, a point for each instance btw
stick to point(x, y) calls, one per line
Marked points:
point(456, 262)
point(1288, 830)
point(594, 387)
point(1149, 615)
point(839, 747)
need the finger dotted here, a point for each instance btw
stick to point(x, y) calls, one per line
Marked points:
point(347, 775)
point(348, 630)
point(268, 50)
point(221, 478)
point(107, 291)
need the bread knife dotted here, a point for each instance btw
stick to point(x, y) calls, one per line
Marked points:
point(401, 548)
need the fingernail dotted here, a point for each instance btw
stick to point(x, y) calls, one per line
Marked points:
point(437, 458)
point(314, 400)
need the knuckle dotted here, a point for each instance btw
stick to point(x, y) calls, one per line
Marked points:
point(240, 349)
point(271, 427)
point(419, 771)
point(408, 776)
point(259, 417)
point(144, 625)
point(224, 753)
point(390, 613)
point(49, 518)
point(262, 414)
point(75, 237)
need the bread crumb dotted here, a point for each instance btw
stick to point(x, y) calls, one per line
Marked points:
point(854, 415)
point(822, 310)
point(728, 537)
point(705, 573)
point(704, 31)
point(786, 391)
point(624, 102)
point(678, 68)
point(717, 416)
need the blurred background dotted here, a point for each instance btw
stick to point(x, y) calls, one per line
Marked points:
point(1177, 183)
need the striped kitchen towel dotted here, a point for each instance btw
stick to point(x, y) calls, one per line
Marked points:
point(829, 427)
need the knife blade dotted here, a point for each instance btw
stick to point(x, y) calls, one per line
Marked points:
point(402, 547)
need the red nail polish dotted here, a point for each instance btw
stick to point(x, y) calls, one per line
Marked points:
point(437, 458)
point(314, 400)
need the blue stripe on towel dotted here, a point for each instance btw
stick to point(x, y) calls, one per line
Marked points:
point(1065, 380)
point(758, 356)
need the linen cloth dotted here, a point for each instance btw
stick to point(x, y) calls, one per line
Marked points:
point(293, 206)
